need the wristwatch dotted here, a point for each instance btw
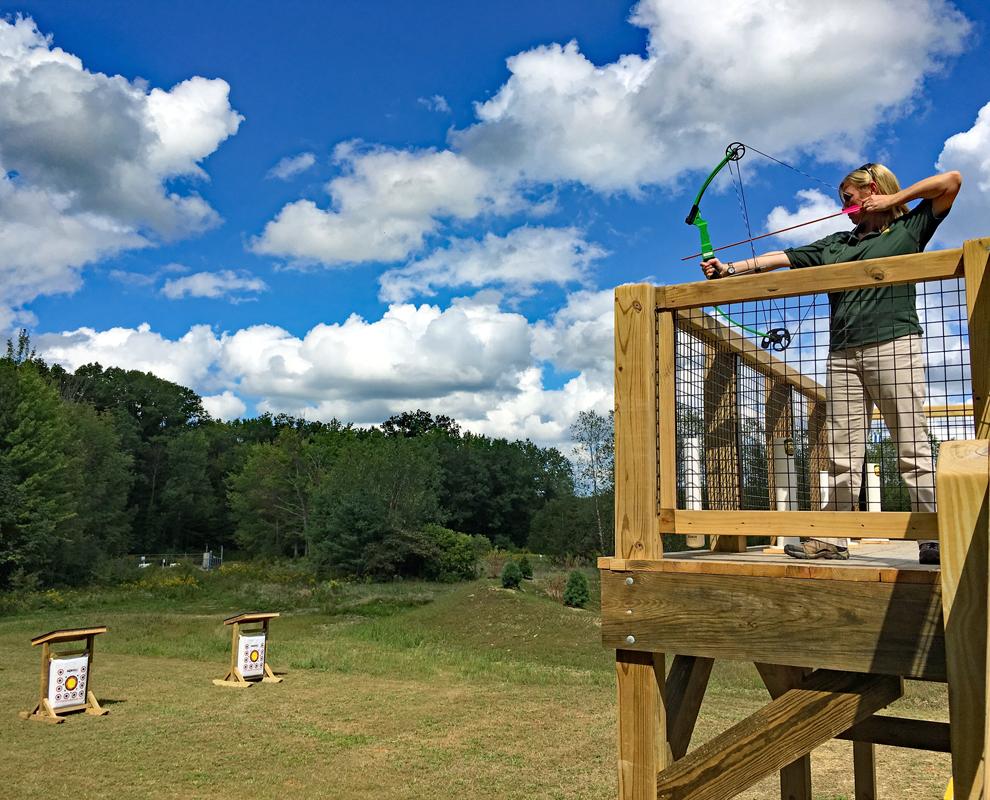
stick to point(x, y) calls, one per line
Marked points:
point(730, 269)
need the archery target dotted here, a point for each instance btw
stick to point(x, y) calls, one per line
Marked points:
point(67, 679)
point(251, 655)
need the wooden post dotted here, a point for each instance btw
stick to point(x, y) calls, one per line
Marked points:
point(637, 447)
point(795, 778)
point(721, 443)
point(639, 453)
point(865, 770)
point(686, 685)
point(976, 253)
point(817, 450)
point(641, 723)
point(779, 423)
point(666, 413)
point(962, 480)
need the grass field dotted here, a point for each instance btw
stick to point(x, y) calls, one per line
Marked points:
point(406, 690)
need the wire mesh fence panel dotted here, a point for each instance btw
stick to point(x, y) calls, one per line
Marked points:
point(782, 404)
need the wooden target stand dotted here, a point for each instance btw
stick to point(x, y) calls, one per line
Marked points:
point(65, 677)
point(245, 652)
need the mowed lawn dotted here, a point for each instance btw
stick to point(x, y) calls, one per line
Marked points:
point(419, 691)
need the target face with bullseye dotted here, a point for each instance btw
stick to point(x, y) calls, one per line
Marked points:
point(251, 655)
point(67, 681)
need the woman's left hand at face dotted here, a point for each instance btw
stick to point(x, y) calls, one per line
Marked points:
point(876, 202)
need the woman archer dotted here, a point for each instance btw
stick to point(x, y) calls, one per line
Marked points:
point(875, 339)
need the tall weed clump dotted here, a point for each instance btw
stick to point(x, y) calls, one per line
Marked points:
point(526, 568)
point(496, 560)
point(554, 585)
point(577, 593)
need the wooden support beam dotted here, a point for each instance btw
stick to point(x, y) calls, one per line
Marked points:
point(686, 685)
point(916, 734)
point(865, 770)
point(795, 778)
point(962, 480)
point(641, 723)
point(860, 626)
point(789, 727)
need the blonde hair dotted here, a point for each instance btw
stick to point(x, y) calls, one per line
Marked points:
point(886, 182)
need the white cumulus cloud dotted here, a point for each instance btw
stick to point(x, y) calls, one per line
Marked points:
point(290, 166)
point(968, 152)
point(812, 204)
point(579, 335)
point(224, 406)
point(487, 367)
point(794, 77)
point(224, 283)
point(84, 163)
point(518, 262)
point(383, 206)
point(789, 75)
point(186, 361)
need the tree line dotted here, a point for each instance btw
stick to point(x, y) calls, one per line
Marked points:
point(98, 463)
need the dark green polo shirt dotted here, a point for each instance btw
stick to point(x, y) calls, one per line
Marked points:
point(872, 315)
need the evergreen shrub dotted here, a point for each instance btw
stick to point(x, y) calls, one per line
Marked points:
point(577, 593)
point(511, 576)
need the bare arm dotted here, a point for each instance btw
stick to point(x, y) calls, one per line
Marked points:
point(768, 261)
point(940, 189)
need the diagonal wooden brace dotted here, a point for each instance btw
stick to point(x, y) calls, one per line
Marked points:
point(686, 685)
point(826, 704)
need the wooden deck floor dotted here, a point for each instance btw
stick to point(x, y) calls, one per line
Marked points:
point(896, 562)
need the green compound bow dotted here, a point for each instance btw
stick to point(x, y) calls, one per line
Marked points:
point(776, 339)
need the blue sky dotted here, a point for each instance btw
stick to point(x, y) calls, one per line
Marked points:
point(353, 209)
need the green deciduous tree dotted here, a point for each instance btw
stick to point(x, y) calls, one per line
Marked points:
point(272, 494)
point(566, 526)
point(411, 424)
point(490, 487)
point(456, 557)
point(378, 486)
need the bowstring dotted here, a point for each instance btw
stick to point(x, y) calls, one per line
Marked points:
point(737, 185)
point(785, 164)
point(741, 198)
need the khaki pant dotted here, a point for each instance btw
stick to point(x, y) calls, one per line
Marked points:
point(891, 377)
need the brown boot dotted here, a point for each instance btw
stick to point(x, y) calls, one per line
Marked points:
point(816, 549)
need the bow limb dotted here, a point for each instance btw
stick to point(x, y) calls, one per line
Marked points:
point(733, 152)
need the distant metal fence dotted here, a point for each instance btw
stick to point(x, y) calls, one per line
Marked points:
point(205, 560)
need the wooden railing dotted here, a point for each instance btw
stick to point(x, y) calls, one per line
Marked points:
point(646, 320)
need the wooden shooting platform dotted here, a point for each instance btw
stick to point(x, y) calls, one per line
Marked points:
point(832, 640)
point(234, 676)
point(45, 711)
